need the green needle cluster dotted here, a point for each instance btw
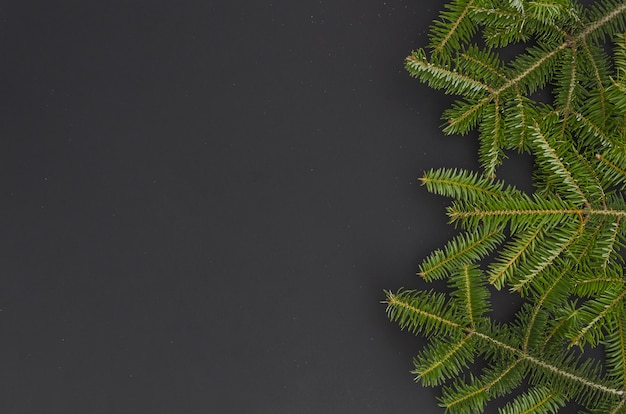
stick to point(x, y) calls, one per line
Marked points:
point(558, 248)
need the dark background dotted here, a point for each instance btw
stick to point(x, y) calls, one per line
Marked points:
point(202, 202)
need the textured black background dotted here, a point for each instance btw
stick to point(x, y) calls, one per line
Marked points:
point(201, 203)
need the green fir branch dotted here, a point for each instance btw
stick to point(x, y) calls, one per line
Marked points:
point(559, 246)
point(564, 371)
point(465, 249)
point(537, 400)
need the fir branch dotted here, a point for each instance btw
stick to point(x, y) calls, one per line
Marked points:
point(443, 361)
point(440, 77)
point(454, 27)
point(616, 93)
point(465, 185)
point(595, 312)
point(473, 216)
point(614, 171)
point(502, 268)
point(553, 248)
point(564, 317)
point(491, 138)
point(533, 69)
point(596, 131)
point(553, 369)
point(537, 400)
point(589, 286)
point(615, 350)
point(558, 247)
point(482, 62)
point(421, 312)
point(589, 180)
point(545, 297)
point(570, 79)
point(586, 245)
point(470, 293)
point(611, 242)
point(607, 17)
point(555, 160)
point(463, 116)
point(598, 77)
point(403, 307)
point(465, 249)
point(519, 114)
point(477, 393)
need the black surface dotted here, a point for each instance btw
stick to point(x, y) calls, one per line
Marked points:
point(202, 202)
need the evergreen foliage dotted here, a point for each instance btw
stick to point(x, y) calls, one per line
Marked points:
point(559, 246)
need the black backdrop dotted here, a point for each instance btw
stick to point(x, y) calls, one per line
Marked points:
point(201, 203)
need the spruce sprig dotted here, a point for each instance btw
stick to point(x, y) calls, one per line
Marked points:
point(559, 247)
